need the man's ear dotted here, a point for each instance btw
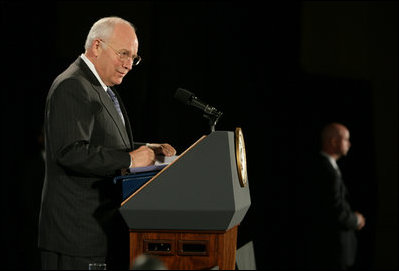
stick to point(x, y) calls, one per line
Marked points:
point(96, 47)
point(334, 143)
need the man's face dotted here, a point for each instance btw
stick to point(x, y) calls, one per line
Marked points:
point(109, 66)
point(344, 144)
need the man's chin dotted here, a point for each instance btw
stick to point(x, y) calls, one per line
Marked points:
point(117, 81)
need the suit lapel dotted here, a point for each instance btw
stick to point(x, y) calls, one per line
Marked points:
point(110, 107)
point(126, 117)
point(106, 101)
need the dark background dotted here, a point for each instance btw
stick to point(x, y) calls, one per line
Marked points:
point(279, 70)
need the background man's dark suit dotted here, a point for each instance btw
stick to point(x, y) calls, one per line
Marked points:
point(330, 241)
point(89, 145)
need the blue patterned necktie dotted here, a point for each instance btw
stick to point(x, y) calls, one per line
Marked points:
point(116, 103)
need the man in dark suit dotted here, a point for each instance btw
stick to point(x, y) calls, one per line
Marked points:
point(330, 241)
point(88, 140)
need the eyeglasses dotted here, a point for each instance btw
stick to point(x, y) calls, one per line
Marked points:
point(124, 55)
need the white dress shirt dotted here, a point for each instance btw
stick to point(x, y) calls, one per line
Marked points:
point(93, 70)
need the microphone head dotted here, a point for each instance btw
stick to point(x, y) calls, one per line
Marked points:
point(184, 96)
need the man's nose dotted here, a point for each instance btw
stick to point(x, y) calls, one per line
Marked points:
point(128, 64)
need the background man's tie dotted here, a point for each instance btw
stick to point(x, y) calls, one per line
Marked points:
point(116, 103)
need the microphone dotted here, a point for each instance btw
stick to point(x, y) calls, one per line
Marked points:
point(189, 98)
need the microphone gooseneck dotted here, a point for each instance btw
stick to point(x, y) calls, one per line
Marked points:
point(189, 98)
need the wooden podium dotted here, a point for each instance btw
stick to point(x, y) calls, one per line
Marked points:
point(188, 214)
point(187, 250)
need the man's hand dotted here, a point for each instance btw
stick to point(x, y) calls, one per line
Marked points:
point(142, 157)
point(361, 221)
point(162, 149)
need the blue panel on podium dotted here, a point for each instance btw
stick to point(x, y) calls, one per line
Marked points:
point(131, 182)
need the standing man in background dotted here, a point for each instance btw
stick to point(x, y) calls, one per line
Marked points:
point(330, 240)
point(88, 141)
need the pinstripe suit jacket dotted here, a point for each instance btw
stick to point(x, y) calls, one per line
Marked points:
point(331, 222)
point(86, 145)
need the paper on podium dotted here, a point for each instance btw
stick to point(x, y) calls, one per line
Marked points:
point(160, 162)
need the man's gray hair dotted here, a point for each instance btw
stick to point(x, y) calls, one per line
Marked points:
point(102, 29)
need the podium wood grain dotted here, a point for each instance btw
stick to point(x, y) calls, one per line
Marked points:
point(219, 248)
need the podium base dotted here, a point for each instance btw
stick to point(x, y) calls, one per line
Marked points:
point(186, 250)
